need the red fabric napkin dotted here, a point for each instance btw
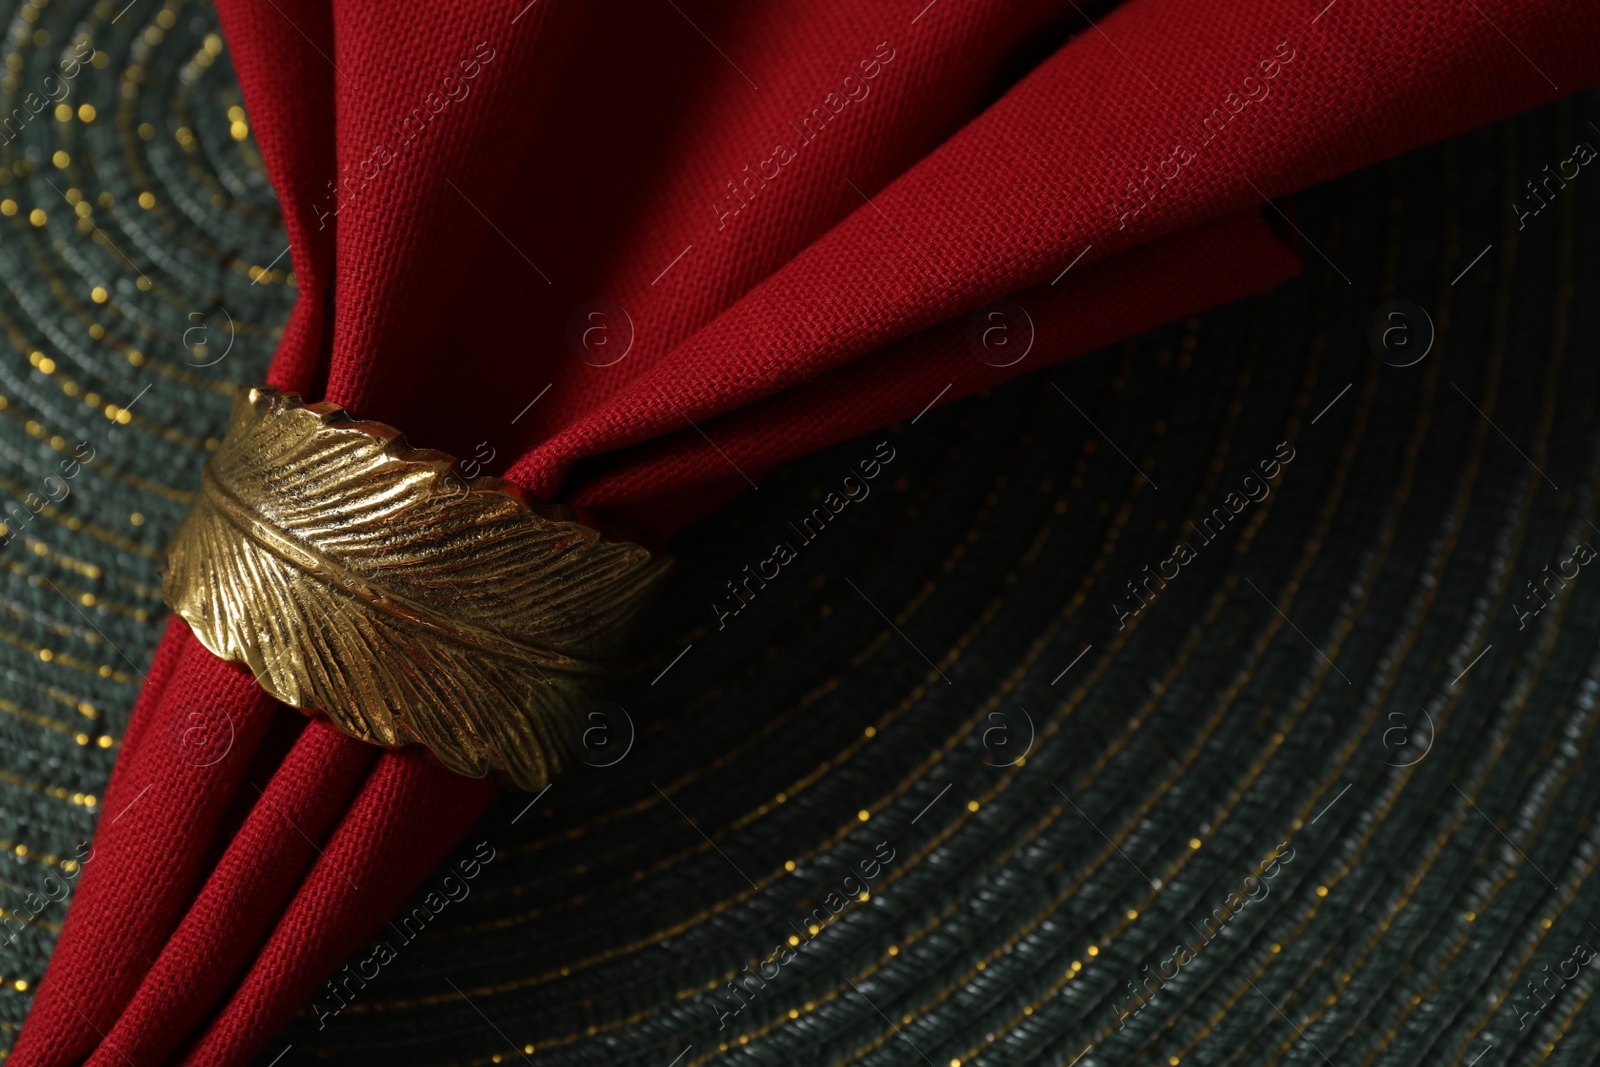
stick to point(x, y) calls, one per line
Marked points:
point(785, 216)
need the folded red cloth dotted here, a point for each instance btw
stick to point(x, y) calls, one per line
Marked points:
point(784, 217)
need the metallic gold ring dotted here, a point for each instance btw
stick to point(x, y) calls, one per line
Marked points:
point(359, 576)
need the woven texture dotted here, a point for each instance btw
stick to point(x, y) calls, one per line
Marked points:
point(727, 337)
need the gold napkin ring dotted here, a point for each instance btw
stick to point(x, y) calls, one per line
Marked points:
point(359, 576)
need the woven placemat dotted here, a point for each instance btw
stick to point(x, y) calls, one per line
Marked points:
point(992, 771)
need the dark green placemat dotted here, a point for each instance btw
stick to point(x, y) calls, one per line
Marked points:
point(1340, 668)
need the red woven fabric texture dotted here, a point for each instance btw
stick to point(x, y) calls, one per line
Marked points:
point(1217, 257)
point(370, 865)
point(796, 205)
point(243, 898)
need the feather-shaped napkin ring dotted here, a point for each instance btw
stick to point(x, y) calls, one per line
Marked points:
point(362, 577)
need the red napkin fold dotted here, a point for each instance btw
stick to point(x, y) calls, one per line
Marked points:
point(785, 216)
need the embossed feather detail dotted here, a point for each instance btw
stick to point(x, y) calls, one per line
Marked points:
point(357, 575)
